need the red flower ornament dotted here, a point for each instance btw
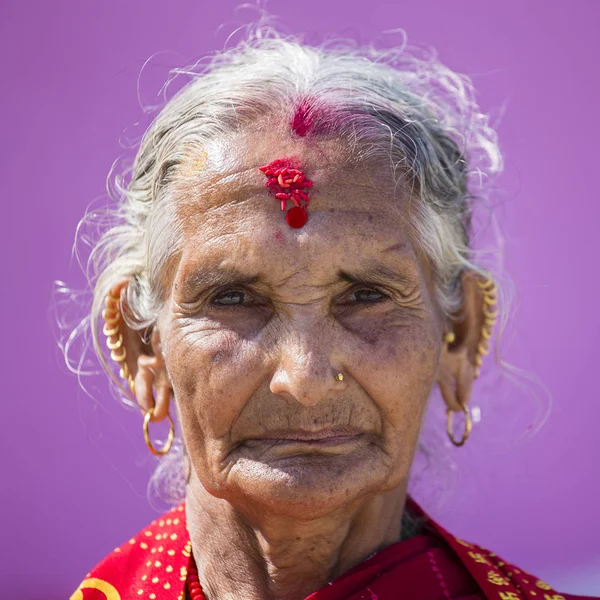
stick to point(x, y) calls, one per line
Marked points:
point(289, 184)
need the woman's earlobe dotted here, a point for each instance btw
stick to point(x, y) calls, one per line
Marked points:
point(152, 386)
point(458, 363)
point(455, 377)
point(141, 363)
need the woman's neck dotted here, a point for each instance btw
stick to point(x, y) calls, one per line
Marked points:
point(276, 557)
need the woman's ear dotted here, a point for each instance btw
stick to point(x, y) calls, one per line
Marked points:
point(458, 367)
point(145, 362)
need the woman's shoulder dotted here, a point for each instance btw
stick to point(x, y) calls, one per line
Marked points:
point(501, 579)
point(496, 577)
point(152, 564)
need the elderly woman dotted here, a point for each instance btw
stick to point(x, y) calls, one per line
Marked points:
point(292, 277)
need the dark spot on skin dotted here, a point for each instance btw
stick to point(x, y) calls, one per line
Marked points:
point(217, 357)
point(279, 237)
point(370, 218)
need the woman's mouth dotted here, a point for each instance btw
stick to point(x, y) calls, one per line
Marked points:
point(302, 439)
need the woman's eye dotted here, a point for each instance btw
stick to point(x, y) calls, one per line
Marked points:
point(368, 295)
point(229, 299)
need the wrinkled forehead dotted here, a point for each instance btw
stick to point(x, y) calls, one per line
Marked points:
point(259, 145)
point(358, 214)
point(357, 211)
point(225, 173)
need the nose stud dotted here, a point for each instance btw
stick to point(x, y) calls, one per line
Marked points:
point(339, 377)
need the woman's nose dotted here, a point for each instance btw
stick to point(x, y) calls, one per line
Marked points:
point(306, 369)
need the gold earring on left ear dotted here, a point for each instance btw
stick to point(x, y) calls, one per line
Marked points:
point(468, 425)
point(114, 341)
point(449, 337)
point(490, 314)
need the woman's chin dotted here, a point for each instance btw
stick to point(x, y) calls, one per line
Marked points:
point(314, 483)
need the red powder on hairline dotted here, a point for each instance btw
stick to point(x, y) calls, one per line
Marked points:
point(302, 122)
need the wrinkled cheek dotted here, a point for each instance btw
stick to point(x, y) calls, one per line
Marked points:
point(405, 363)
point(416, 375)
point(398, 374)
point(200, 364)
point(213, 377)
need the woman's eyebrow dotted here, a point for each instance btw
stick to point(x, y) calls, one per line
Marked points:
point(218, 276)
point(221, 276)
point(376, 273)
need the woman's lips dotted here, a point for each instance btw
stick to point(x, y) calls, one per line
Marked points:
point(304, 434)
point(327, 441)
point(322, 438)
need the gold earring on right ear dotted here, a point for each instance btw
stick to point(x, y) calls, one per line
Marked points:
point(112, 318)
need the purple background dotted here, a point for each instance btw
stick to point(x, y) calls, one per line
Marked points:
point(75, 468)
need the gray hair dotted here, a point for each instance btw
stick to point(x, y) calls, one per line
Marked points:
point(402, 106)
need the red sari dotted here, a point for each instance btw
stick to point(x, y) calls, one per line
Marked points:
point(433, 565)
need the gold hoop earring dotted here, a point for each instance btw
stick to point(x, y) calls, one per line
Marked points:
point(114, 342)
point(468, 426)
point(167, 445)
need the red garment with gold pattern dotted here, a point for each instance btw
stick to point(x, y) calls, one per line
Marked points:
point(433, 565)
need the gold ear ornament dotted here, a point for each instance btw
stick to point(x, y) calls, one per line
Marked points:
point(114, 342)
point(490, 314)
point(468, 425)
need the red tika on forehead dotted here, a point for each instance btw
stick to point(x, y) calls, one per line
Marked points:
point(288, 183)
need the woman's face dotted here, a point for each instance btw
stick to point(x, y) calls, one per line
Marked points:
point(261, 317)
